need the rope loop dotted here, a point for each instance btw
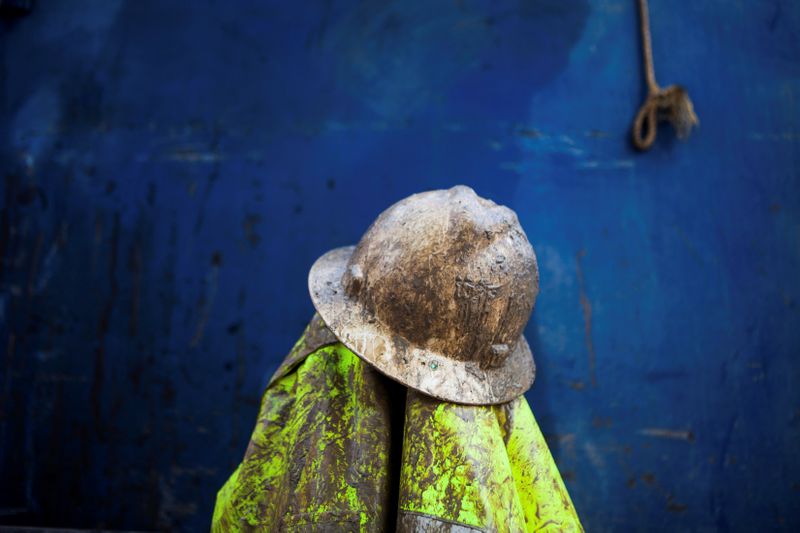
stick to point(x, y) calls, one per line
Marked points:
point(672, 104)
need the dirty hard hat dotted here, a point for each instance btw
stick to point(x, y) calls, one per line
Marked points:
point(436, 296)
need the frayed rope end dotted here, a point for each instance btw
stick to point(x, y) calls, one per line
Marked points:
point(676, 107)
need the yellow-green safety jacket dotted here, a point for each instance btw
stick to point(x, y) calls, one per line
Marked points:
point(340, 447)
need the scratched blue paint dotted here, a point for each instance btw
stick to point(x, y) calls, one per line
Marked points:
point(172, 170)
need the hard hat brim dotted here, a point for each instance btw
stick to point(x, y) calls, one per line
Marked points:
point(428, 372)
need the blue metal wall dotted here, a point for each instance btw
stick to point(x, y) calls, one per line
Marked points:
point(172, 169)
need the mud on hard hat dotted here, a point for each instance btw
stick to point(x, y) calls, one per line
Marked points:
point(436, 296)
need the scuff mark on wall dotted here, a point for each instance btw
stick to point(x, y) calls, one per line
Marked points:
point(191, 154)
point(665, 433)
point(135, 264)
point(207, 298)
point(586, 306)
point(103, 325)
point(249, 224)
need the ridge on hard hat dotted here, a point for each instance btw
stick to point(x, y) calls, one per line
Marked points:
point(436, 295)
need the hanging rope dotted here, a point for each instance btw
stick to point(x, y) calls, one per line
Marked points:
point(672, 103)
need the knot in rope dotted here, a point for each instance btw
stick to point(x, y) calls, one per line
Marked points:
point(671, 104)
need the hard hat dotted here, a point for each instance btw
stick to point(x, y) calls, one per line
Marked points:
point(436, 296)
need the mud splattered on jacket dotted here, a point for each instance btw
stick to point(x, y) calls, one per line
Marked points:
point(339, 447)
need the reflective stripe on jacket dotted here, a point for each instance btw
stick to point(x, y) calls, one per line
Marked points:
point(339, 447)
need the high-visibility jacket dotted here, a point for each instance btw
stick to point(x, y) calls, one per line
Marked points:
point(340, 447)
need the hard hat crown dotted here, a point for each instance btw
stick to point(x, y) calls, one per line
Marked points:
point(449, 272)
